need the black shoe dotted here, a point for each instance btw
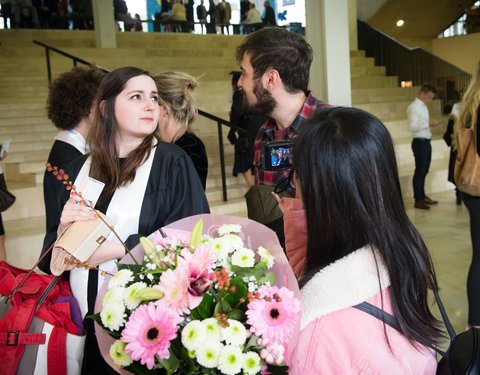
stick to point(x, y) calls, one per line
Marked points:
point(459, 198)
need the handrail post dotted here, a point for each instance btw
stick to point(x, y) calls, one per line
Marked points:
point(222, 161)
point(47, 52)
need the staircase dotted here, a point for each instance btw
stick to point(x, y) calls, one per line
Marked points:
point(377, 93)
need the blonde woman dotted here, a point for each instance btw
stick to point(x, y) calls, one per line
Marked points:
point(469, 117)
point(177, 113)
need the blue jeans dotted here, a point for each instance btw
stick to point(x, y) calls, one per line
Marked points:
point(422, 151)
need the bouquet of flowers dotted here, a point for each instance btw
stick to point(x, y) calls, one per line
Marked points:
point(199, 304)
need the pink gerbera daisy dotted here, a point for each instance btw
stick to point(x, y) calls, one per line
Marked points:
point(148, 333)
point(174, 285)
point(274, 314)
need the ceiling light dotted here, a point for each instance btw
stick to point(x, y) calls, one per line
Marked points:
point(400, 23)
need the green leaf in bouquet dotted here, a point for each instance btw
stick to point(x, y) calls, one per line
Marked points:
point(222, 306)
point(171, 363)
point(259, 270)
point(252, 343)
point(277, 370)
point(96, 318)
point(268, 277)
point(205, 309)
point(132, 267)
point(242, 271)
point(138, 369)
point(237, 315)
point(186, 365)
point(240, 291)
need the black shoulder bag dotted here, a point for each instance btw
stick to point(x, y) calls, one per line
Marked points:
point(463, 354)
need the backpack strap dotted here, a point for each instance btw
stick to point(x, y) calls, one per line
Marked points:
point(389, 319)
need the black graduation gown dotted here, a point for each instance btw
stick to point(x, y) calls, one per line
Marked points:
point(61, 154)
point(173, 191)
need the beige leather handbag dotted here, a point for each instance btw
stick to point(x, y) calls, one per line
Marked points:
point(78, 241)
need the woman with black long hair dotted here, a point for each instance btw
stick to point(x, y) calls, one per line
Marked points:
point(360, 246)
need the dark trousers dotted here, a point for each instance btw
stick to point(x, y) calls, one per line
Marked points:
point(422, 151)
point(473, 280)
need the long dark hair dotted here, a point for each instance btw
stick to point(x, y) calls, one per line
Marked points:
point(344, 160)
point(105, 165)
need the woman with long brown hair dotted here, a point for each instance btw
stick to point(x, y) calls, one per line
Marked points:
point(147, 184)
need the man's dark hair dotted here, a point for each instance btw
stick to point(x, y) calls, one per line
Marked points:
point(282, 50)
point(426, 88)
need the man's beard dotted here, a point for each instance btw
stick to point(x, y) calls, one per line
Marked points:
point(265, 102)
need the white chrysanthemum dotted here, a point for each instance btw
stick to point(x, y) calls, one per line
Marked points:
point(220, 248)
point(113, 316)
point(130, 295)
point(114, 295)
point(117, 352)
point(243, 258)
point(231, 360)
point(235, 333)
point(120, 279)
point(213, 330)
point(193, 335)
point(234, 242)
point(252, 363)
point(209, 353)
point(266, 256)
point(229, 228)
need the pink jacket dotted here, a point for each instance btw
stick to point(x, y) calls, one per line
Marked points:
point(336, 338)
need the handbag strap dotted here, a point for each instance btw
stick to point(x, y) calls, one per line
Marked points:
point(446, 321)
point(388, 319)
point(5, 299)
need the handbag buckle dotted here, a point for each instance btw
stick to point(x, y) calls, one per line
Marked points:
point(9, 333)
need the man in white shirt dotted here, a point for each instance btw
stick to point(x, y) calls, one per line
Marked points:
point(420, 124)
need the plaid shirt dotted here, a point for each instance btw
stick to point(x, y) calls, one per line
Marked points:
point(267, 133)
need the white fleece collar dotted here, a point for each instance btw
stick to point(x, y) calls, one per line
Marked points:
point(344, 283)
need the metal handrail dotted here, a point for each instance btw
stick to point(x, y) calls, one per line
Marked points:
point(416, 65)
point(60, 52)
point(207, 115)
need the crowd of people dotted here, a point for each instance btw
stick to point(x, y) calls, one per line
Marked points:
point(175, 15)
point(346, 232)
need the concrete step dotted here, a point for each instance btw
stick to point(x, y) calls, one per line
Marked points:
point(356, 61)
point(357, 53)
point(436, 180)
point(383, 94)
point(24, 240)
point(233, 192)
point(374, 82)
point(387, 111)
point(29, 202)
point(361, 71)
point(227, 208)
